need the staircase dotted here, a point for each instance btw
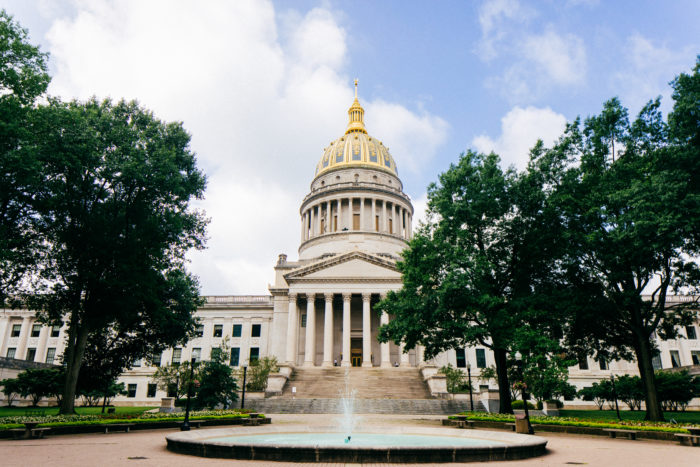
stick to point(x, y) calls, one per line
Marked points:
point(376, 391)
point(366, 383)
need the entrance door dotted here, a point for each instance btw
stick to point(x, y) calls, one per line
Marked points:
point(356, 352)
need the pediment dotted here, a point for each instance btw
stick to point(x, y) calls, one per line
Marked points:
point(351, 266)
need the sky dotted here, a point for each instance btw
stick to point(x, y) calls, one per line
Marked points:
point(264, 86)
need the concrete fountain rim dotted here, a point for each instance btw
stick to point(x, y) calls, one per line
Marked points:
point(200, 443)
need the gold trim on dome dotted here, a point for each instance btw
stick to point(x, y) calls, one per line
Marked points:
point(356, 148)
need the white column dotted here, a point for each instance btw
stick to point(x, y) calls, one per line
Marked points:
point(41, 348)
point(303, 237)
point(420, 355)
point(340, 215)
point(318, 220)
point(292, 322)
point(403, 357)
point(312, 218)
point(26, 330)
point(346, 329)
point(310, 348)
point(366, 331)
point(328, 331)
point(403, 223)
point(362, 213)
point(410, 220)
point(384, 216)
point(373, 224)
point(384, 347)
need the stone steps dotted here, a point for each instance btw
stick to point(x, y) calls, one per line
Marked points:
point(360, 406)
point(365, 383)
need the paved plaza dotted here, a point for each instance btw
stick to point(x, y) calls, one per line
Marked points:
point(147, 448)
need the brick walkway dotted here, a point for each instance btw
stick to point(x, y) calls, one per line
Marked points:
point(147, 448)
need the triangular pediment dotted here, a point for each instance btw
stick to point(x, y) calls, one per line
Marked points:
point(353, 266)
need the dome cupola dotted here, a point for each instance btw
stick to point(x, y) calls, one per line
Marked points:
point(356, 148)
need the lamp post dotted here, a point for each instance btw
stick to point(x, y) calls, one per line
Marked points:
point(617, 408)
point(245, 371)
point(521, 370)
point(471, 398)
point(186, 424)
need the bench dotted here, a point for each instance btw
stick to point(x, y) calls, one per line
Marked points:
point(254, 415)
point(195, 423)
point(26, 433)
point(613, 432)
point(117, 426)
point(39, 432)
point(688, 440)
point(465, 423)
point(511, 426)
point(251, 421)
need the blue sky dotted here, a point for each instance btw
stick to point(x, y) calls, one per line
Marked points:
point(263, 88)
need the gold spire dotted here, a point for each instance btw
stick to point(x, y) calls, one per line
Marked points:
point(356, 114)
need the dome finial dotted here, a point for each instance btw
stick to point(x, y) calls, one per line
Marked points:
point(356, 114)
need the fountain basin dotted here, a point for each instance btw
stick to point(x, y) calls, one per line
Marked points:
point(373, 444)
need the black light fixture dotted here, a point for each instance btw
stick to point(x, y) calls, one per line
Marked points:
point(245, 371)
point(523, 392)
point(186, 424)
point(617, 408)
point(471, 398)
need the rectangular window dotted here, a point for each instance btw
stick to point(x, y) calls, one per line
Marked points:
point(11, 352)
point(603, 363)
point(218, 330)
point(16, 330)
point(235, 356)
point(254, 354)
point(55, 330)
point(197, 354)
point(355, 222)
point(31, 354)
point(199, 331)
point(255, 330)
point(177, 356)
point(675, 359)
point(656, 362)
point(461, 358)
point(303, 320)
point(376, 223)
point(237, 330)
point(481, 358)
point(152, 387)
point(36, 330)
point(335, 223)
point(695, 356)
point(582, 362)
point(50, 355)
point(131, 389)
point(155, 358)
point(391, 226)
point(690, 332)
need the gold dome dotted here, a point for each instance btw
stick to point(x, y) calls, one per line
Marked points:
point(356, 148)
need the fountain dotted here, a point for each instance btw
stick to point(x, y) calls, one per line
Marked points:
point(343, 442)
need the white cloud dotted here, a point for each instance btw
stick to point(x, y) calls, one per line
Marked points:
point(560, 57)
point(261, 104)
point(493, 16)
point(647, 70)
point(520, 130)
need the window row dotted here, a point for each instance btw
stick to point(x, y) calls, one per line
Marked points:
point(234, 359)
point(150, 390)
point(36, 330)
point(31, 354)
point(235, 332)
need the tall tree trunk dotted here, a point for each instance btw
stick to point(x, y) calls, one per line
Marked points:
point(503, 385)
point(75, 355)
point(646, 372)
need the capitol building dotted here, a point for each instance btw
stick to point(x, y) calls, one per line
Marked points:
point(319, 316)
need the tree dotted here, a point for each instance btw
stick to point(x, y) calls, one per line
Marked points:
point(38, 383)
point(629, 227)
point(476, 272)
point(676, 389)
point(175, 379)
point(23, 77)
point(11, 389)
point(630, 390)
point(217, 384)
point(600, 393)
point(114, 201)
point(258, 372)
point(456, 379)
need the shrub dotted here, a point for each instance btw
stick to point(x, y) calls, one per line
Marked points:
point(456, 379)
point(518, 405)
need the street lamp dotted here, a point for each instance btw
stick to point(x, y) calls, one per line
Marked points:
point(471, 398)
point(521, 371)
point(186, 424)
point(245, 371)
point(617, 408)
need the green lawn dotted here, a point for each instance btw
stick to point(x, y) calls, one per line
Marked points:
point(610, 415)
point(19, 411)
